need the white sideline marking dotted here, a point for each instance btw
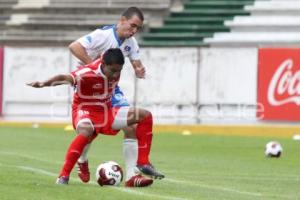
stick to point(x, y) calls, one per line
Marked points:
point(214, 187)
point(150, 195)
point(225, 189)
point(267, 177)
point(29, 157)
point(139, 193)
point(129, 191)
point(35, 170)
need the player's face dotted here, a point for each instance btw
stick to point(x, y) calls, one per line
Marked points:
point(112, 71)
point(131, 26)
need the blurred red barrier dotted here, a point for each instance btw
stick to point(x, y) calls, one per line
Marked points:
point(278, 92)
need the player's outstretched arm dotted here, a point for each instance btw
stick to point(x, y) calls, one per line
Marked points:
point(79, 52)
point(56, 80)
point(139, 68)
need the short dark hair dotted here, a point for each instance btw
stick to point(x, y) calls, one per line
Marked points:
point(131, 11)
point(113, 56)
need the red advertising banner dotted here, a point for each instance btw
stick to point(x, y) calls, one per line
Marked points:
point(1, 78)
point(278, 93)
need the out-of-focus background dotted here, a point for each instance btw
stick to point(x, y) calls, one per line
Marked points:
point(207, 61)
point(223, 79)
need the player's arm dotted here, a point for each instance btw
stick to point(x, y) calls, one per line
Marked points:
point(61, 79)
point(135, 60)
point(139, 68)
point(79, 52)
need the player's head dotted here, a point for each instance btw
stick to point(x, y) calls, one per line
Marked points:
point(113, 61)
point(131, 21)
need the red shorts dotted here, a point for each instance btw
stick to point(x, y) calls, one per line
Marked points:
point(101, 120)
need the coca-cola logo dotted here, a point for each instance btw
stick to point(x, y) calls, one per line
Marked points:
point(285, 85)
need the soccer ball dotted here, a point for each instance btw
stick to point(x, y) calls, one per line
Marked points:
point(273, 149)
point(109, 173)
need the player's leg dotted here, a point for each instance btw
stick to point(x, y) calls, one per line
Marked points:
point(143, 119)
point(130, 151)
point(133, 179)
point(84, 156)
point(130, 146)
point(85, 132)
point(83, 171)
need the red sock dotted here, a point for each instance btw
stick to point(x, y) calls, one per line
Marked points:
point(73, 153)
point(144, 137)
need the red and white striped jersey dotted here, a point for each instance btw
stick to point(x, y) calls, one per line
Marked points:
point(92, 88)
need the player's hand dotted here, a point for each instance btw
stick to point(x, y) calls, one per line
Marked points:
point(140, 72)
point(36, 84)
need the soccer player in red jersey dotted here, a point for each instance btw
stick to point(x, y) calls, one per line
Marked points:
point(90, 47)
point(93, 113)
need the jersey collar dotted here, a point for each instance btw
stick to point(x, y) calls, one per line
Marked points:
point(116, 36)
point(99, 71)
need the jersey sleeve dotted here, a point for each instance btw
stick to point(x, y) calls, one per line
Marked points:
point(76, 74)
point(135, 53)
point(93, 39)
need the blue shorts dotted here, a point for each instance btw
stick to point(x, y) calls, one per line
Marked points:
point(118, 99)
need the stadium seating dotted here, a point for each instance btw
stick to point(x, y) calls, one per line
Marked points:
point(271, 23)
point(198, 19)
point(62, 21)
point(121, 4)
point(198, 23)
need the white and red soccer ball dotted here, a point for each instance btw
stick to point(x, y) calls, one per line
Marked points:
point(273, 149)
point(109, 173)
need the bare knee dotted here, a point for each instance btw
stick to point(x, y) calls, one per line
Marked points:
point(135, 115)
point(85, 129)
point(129, 132)
point(145, 113)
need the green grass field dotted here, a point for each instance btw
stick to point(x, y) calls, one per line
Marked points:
point(196, 167)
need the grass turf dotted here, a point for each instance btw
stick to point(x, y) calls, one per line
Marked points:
point(196, 167)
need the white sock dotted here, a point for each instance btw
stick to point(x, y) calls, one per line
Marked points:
point(85, 151)
point(130, 152)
